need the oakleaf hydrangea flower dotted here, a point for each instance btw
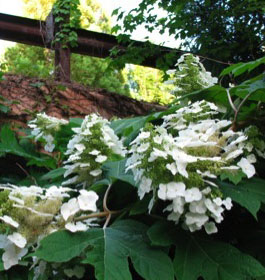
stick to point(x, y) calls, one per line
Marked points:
point(44, 127)
point(30, 213)
point(178, 161)
point(190, 75)
point(93, 144)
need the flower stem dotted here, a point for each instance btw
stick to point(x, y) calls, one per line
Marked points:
point(96, 215)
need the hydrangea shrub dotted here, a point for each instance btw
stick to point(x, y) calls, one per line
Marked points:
point(172, 172)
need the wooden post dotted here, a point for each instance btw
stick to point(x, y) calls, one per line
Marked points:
point(62, 67)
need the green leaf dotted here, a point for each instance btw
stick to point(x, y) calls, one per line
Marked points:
point(240, 68)
point(116, 170)
point(249, 193)
point(197, 256)
point(256, 89)
point(129, 128)
point(53, 174)
point(109, 250)
point(62, 246)
point(127, 239)
point(115, 12)
point(233, 176)
point(215, 94)
point(9, 144)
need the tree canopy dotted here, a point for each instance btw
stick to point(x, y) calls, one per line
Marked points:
point(225, 30)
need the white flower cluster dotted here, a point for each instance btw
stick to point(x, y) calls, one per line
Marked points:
point(93, 143)
point(44, 127)
point(183, 67)
point(37, 212)
point(179, 160)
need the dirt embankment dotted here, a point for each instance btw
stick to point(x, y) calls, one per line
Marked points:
point(65, 100)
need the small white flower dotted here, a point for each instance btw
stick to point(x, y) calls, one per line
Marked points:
point(181, 160)
point(87, 200)
point(16, 199)
point(174, 217)
point(10, 221)
point(195, 218)
point(172, 167)
point(234, 154)
point(12, 255)
point(193, 194)
point(17, 239)
point(198, 207)
point(95, 172)
point(249, 147)
point(70, 208)
point(49, 147)
point(80, 147)
point(232, 167)
point(144, 147)
point(74, 227)
point(56, 192)
point(218, 201)
point(175, 189)
point(228, 203)
point(206, 190)
point(158, 139)
point(144, 187)
point(162, 191)
point(206, 174)
point(71, 180)
point(210, 227)
point(101, 158)
point(214, 208)
point(247, 167)
point(251, 158)
point(178, 204)
point(144, 135)
point(94, 152)
point(159, 153)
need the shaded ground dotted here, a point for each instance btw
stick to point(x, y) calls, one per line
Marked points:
point(64, 100)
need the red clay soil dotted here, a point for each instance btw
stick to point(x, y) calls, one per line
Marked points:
point(65, 100)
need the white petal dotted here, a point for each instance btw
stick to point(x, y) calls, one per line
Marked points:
point(12, 255)
point(193, 194)
point(247, 167)
point(87, 200)
point(144, 187)
point(17, 239)
point(234, 154)
point(162, 192)
point(10, 221)
point(210, 228)
point(228, 203)
point(172, 167)
point(144, 147)
point(79, 226)
point(175, 189)
point(100, 158)
point(95, 172)
point(94, 152)
point(70, 208)
point(251, 158)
